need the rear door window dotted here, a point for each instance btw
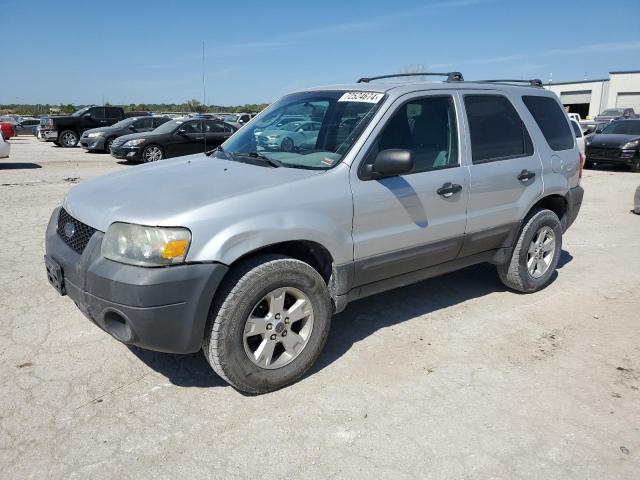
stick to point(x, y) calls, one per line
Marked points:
point(497, 132)
point(551, 120)
point(97, 113)
point(113, 112)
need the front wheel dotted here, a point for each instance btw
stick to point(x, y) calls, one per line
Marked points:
point(68, 139)
point(635, 166)
point(588, 164)
point(287, 145)
point(536, 254)
point(152, 153)
point(107, 144)
point(269, 323)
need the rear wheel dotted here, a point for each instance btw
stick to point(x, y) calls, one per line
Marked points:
point(536, 254)
point(152, 153)
point(68, 139)
point(269, 323)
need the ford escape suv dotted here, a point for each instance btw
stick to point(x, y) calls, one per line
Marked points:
point(247, 252)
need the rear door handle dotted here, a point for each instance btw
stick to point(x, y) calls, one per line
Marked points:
point(449, 189)
point(526, 175)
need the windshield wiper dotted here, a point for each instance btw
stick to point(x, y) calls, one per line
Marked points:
point(274, 163)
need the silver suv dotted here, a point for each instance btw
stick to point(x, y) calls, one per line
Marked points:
point(247, 252)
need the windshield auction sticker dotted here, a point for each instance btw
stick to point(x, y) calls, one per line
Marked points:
point(366, 97)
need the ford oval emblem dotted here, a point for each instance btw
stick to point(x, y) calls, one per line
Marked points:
point(69, 229)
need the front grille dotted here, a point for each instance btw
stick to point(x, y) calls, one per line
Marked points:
point(73, 232)
point(603, 152)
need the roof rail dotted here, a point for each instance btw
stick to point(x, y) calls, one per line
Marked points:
point(451, 76)
point(534, 82)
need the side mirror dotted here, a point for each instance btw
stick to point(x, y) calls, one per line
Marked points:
point(131, 127)
point(181, 131)
point(392, 162)
point(598, 130)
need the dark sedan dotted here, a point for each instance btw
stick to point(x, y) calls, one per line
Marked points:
point(101, 138)
point(618, 143)
point(172, 139)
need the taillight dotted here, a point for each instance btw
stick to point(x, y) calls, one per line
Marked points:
point(581, 160)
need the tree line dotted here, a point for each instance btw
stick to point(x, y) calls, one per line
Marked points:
point(188, 106)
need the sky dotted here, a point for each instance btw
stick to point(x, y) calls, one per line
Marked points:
point(140, 51)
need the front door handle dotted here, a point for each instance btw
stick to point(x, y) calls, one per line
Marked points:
point(448, 189)
point(526, 175)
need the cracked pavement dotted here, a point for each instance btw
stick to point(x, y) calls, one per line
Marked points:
point(454, 377)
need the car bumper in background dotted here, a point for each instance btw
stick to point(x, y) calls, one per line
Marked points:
point(134, 154)
point(611, 155)
point(47, 135)
point(92, 143)
point(164, 309)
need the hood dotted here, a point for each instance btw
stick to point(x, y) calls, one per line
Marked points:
point(611, 139)
point(95, 130)
point(157, 193)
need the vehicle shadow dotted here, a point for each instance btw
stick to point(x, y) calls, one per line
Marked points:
point(181, 370)
point(18, 166)
point(128, 163)
point(610, 167)
point(360, 320)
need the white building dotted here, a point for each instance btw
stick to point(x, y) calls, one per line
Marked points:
point(590, 97)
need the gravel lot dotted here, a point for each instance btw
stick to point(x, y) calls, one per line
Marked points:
point(454, 377)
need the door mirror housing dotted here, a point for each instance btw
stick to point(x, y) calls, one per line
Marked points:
point(131, 127)
point(181, 131)
point(391, 163)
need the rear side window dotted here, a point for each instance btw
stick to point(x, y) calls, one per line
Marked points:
point(551, 120)
point(113, 112)
point(497, 132)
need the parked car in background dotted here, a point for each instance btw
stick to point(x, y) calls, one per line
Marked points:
point(25, 125)
point(66, 130)
point(617, 143)
point(577, 130)
point(612, 114)
point(247, 253)
point(575, 116)
point(172, 139)
point(289, 137)
point(101, 138)
point(5, 147)
point(8, 129)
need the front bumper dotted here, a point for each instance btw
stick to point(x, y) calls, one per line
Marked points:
point(163, 309)
point(92, 143)
point(574, 202)
point(133, 153)
point(611, 155)
point(47, 134)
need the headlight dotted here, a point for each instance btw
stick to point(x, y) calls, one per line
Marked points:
point(145, 246)
point(134, 143)
point(630, 145)
point(273, 136)
point(94, 134)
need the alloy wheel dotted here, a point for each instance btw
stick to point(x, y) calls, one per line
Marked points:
point(69, 139)
point(541, 252)
point(152, 154)
point(278, 328)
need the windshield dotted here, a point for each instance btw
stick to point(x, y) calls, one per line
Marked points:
point(169, 126)
point(326, 126)
point(80, 112)
point(628, 127)
point(231, 118)
point(611, 113)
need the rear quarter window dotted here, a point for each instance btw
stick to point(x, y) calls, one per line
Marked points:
point(551, 120)
point(496, 130)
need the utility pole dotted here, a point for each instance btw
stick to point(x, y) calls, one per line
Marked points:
point(204, 87)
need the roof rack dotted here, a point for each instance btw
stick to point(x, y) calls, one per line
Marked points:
point(451, 76)
point(534, 82)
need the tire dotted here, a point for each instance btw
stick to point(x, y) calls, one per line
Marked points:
point(107, 144)
point(287, 145)
point(516, 273)
point(152, 153)
point(588, 164)
point(229, 350)
point(68, 139)
point(635, 166)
